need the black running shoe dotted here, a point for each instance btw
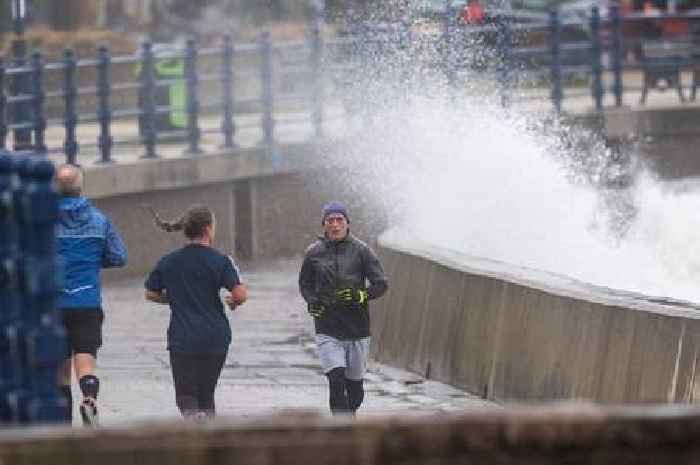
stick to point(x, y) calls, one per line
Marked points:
point(88, 410)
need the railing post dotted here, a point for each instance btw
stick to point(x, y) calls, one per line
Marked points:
point(9, 291)
point(193, 132)
point(316, 71)
point(3, 107)
point(448, 61)
point(104, 110)
point(555, 71)
point(70, 95)
point(406, 53)
point(38, 103)
point(17, 330)
point(268, 122)
point(617, 54)
point(596, 60)
point(228, 126)
point(148, 93)
point(45, 344)
point(20, 86)
point(505, 47)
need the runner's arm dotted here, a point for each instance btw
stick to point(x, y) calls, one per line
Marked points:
point(157, 297)
point(114, 254)
point(155, 289)
point(307, 280)
point(375, 274)
point(231, 281)
point(238, 296)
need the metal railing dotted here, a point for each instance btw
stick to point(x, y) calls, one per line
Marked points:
point(530, 58)
point(32, 345)
point(601, 49)
point(146, 85)
point(79, 103)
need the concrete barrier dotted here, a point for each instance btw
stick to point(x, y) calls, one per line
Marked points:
point(544, 435)
point(227, 182)
point(510, 333)
point(266, 206)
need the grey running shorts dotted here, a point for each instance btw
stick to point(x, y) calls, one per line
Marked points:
point(350, 354)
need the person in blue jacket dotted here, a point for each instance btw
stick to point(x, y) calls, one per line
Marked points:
point(87, 242)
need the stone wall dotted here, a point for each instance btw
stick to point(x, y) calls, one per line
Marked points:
point(508, 333)
point(257, 218)
point(226, 182)
point(267, 206)
point(574, 434)
point(145, 242)
point(252, 223)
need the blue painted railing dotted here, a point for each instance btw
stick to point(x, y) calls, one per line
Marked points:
point(540, 52)
point(32, 345)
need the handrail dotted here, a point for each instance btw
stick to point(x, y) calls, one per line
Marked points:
point(517, 47)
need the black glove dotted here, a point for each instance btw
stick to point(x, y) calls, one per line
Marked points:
point(350, 295)
point(316, 310)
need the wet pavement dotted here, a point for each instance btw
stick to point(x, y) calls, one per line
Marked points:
point(271, 365)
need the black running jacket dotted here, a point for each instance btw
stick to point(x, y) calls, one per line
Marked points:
point(330, 266)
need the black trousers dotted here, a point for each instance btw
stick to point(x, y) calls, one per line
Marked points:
point(195, 377)
point(346, 395)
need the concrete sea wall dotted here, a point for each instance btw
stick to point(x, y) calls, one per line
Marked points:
point(550, 435)
point(513, 334)
point(248, 191)
point(266, 206)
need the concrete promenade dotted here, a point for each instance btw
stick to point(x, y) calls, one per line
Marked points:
point(271, 365)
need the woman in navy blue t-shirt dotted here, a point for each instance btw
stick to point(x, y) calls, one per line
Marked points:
point(189, 280)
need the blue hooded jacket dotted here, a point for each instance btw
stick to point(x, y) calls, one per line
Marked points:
point(87, 242)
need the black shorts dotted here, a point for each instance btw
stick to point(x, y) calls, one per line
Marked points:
point(83, 330)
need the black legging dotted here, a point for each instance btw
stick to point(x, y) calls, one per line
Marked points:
point(195, 377)
point(356, 394)
point(346, 395)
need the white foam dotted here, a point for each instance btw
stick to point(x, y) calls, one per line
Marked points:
point(469, 177)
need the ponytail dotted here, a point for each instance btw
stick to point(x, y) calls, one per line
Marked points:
point(167, 226)
point(192, 222)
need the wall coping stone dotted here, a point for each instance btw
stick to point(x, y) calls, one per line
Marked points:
point(145, 175)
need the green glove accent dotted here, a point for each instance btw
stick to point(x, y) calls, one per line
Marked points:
point(350, 295)
point(345, 295)
point(316, 310)
point(362, 296)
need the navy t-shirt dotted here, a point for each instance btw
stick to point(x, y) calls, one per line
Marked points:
point(192, 278)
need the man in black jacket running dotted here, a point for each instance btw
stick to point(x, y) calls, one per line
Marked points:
point(333, 282)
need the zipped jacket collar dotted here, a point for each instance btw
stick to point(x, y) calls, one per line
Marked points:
point(348, 238)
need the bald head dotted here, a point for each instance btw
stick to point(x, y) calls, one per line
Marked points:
point(69, 181)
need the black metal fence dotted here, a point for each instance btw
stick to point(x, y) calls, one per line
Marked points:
point(32, 346)
point(178, 94)
point(586, 54)
point(141, 88)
